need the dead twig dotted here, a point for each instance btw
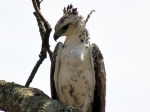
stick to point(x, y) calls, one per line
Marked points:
point(88, 16)
point(45, 30)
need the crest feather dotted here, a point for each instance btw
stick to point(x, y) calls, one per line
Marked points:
point(70, 10)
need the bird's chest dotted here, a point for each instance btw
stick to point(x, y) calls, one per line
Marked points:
point(73, 56)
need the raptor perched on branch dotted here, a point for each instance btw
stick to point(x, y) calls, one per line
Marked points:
point(78, 76)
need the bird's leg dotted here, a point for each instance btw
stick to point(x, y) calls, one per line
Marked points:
point(62, 97)
point(68, 92)
point(87, 104)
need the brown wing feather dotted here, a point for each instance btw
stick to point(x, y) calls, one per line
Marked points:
point(100, 79)
point(53, 65)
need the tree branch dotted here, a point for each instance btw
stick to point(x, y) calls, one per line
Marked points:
point(17, 98)
point(39, 62)
point(45, 30)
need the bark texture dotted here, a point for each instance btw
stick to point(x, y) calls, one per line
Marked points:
point(17, 98)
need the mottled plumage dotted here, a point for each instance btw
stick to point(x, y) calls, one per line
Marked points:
point(78, 76)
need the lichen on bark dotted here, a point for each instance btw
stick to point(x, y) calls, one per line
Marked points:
point(17, 98)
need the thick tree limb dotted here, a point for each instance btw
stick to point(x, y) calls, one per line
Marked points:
point(17, 98)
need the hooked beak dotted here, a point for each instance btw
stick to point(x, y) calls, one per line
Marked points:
point(56, 36)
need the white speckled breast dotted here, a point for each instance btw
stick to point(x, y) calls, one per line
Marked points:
point(75, 77)
point(75, 57)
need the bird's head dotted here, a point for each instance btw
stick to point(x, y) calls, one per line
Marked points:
point(69, 24)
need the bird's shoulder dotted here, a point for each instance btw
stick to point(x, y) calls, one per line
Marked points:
point(57, 49)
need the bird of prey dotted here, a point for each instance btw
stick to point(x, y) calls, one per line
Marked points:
point(78, 75)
